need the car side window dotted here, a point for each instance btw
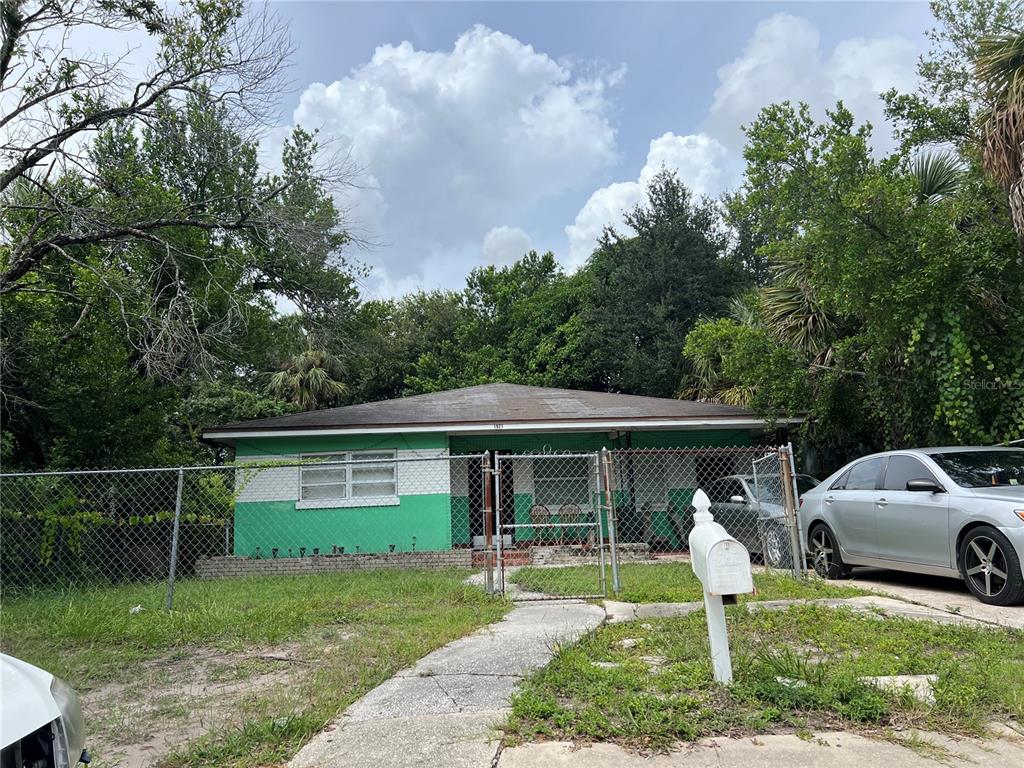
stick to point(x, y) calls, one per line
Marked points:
point(840, 484)
point(864, 476)
point(904, 468)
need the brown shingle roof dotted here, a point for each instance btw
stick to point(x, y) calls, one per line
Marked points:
point(490, 404)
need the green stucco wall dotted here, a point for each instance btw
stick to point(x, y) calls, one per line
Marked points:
point(268, 524)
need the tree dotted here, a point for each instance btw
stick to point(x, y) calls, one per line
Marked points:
point(96, 208)
point(648, 288)
point(887, 317)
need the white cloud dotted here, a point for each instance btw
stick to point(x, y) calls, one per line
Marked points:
point(504, 245)
point(697, 160)
point(783, 60)
point(453, 142)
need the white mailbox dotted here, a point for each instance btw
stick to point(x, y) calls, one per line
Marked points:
point(723, 566)
point(721, 563)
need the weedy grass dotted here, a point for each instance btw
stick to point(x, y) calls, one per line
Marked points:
point(794, 670)
point(671, 582)
point(348, 632)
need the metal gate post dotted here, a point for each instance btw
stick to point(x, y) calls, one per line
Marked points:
point(488, 523)
point(606, 460)
point(497, 520)
point(600, 527)
point(174, 541)
point(789, 504)
point(801, 544)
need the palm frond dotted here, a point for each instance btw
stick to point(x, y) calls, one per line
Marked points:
point(938, 175)
point(999, 67)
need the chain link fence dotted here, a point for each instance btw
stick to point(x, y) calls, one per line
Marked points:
point(550, 524)
point(342, 511)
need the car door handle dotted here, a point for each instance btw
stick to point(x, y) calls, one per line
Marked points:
point(881, 503)
point(829, 499)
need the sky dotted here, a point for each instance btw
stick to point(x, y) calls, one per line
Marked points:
point(482, 130)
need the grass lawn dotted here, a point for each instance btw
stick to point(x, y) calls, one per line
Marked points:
point(670, 582)
point(244, 671)
point(794, 670)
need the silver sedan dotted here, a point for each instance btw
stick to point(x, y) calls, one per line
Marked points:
point(944, 511)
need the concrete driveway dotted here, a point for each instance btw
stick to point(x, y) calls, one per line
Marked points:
point(937, 592)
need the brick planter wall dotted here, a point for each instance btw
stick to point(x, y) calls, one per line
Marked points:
point(233, 567)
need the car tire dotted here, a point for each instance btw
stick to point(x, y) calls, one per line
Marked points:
point(823, 550)
point(776, 547)
point(990, 567)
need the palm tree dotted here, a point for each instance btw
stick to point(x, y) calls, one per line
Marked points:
point(999, 68)
point(310, 380)
point(792, 312)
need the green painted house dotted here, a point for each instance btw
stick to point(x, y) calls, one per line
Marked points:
point(405, 475)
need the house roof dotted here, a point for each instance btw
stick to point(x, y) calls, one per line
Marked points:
point(514, 407)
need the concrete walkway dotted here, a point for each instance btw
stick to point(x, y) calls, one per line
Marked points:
point(836, 750)
point(443, 710)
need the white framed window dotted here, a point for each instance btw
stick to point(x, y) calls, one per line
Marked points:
point(562, 480)
point(348, 476)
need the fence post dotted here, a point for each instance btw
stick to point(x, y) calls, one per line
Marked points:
point(789, 504)
point(488, 525)
point(609, 500)
point(600, 528)
point(801, 544)
point(174, 540)
point(497, 519)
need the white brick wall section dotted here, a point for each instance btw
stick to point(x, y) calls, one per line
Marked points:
point(270, 484)
point(522, 475)
point(680, 472)
point(417, 478)
point(459, 469)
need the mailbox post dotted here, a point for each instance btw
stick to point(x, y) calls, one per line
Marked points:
point(723, 566)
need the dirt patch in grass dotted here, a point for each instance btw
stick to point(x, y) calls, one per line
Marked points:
point(182, 695)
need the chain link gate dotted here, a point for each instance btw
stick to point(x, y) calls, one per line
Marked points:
point(550, 533)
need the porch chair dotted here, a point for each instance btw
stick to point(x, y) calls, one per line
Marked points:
point(540, 515)
point(570, 516)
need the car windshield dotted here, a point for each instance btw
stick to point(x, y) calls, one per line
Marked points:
point(980, 469)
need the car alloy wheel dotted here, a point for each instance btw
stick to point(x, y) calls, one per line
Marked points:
point(985, 566)
point(775, 547)
point(822, 552)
